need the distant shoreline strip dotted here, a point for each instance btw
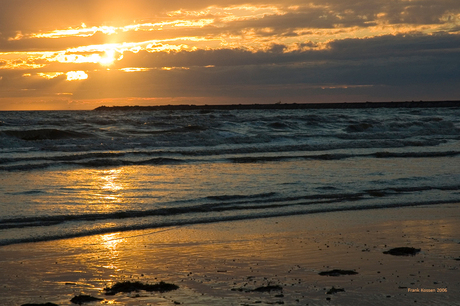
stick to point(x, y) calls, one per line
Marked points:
point(341, 105)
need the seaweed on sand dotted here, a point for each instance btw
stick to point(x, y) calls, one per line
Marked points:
point(128, 286)
point(268, 288)
point(334, 290)
point(403, 251)
point(81, 299)
point(44, 304)
point(337, 272)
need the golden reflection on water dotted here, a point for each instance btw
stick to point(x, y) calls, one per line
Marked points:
point(101, 190)
point(109, 182)
point(111, 243)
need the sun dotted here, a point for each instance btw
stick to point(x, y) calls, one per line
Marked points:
point(109, 57)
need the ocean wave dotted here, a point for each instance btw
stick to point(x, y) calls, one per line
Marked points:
point(94, 163)
point(206, 220)
point(360, 127)
point(221, 203)
point(72, 157)
point(415, 154)
point(118, 159)
point(383, 154)
point(42, 134)
point(257, 131)
point(316, 161)
point(405, 128)
point(27, 167)
point(224, 203)
point(257, 159)
point(240, 197)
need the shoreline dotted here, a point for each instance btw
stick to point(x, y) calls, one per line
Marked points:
point(224, 263)
point(168, 225)
point(335, 105)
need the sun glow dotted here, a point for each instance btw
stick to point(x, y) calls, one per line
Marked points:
point(76, 75)
point(143, 49)
point(108, 58)
point(104, 55)
point(134, 69)
point(219, 20)
point(50, 75)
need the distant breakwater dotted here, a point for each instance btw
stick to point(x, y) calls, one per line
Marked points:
point(341, 105)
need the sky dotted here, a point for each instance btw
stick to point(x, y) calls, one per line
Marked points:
point(80, 54)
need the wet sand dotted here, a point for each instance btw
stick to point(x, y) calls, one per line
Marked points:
point(254, 262)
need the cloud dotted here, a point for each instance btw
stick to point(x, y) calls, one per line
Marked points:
point(382, 47)
point(350, 64)
point(229, 49)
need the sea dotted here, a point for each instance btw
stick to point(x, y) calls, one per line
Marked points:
point(67, 174)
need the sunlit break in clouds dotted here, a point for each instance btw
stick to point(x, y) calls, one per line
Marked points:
point(76, 75)
point(209, 52)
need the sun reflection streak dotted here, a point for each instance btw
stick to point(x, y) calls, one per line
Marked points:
point(110, 183)
point(105, 188)
point(112, 243)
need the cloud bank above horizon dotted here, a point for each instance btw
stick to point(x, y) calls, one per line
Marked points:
point(66, 54)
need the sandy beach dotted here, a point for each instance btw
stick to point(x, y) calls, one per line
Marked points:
point(252, 262)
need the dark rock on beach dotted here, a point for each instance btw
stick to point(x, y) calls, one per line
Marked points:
point(337, 272)
point(81, 299)
point(403, 251)
point(128, 286)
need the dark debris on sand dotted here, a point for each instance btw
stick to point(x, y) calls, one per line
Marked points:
point(45, 304)
point(268, 288)
point(128, 286)
point(334, 290)
point(337, 272)
point(81, 299)
point(403, 251)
